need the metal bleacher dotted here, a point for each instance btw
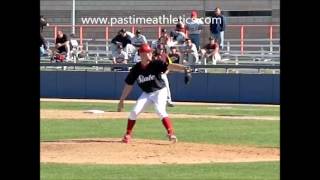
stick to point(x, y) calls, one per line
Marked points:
point(254, 51)
point(98, 50)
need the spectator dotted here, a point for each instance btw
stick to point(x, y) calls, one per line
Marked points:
point(138, 39)
point(161, 55)
point(130, 35)
point(180, 35)
point(191, 52)
point(194, 26)
point(121, 57)
point(166, 40)
point(217, 26)
point(210, 51)
point(62, 44)
point(43, 45)
point(174, 55)
point(43, 23)
point(75, 48)
point(122, 38)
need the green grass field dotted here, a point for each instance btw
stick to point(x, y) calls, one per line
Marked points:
point(256, 133)
point(222, 171)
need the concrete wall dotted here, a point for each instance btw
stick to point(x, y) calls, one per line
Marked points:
point(236, 88)
point(59, 12)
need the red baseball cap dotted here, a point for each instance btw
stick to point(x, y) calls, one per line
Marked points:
point(145, 48)
point(193, 14)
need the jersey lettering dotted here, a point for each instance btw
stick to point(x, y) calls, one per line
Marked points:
point(142, 79)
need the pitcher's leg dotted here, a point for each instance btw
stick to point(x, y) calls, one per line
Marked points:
point(141, 104)
point(159, 101)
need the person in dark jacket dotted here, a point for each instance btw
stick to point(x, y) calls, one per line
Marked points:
point(217, 26)
point(122, 38)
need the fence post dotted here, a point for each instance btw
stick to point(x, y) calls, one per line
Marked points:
point(270, 36)
point(159, 31)
point(262, 53)
point(55, 32)
point(228, 47)
point(241, 38)
point(81, 35)
point(132, 29)
point(107, 33)
point(107, 38)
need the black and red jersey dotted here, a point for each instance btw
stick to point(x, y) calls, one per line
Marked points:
point(148, 77)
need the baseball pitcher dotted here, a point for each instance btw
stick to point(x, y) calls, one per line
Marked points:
point(147, 74)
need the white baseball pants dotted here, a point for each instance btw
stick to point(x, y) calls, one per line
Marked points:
point(166, 82)
point(157, 98)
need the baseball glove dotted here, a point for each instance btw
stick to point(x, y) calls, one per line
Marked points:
point(187, 75)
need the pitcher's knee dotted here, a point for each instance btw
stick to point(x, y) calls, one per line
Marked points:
point(162, 114)
point(133, 115)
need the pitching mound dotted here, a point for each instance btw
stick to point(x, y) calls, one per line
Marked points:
point(112, 151)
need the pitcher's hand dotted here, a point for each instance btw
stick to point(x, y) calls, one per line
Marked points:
point(120, 106)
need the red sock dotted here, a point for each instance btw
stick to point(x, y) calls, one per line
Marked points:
point(130, 125)
point(168, 125)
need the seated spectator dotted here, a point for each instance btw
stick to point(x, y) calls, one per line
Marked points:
point(166, 40)
point(121, 57)
point(178, 38)
point(62, 45)
point(138, 39)
point(73, 42)
point(76, 49)
point(160, 53)
point(121, 38)
point(210, 51)
point(163, 39)
point(191, 53)
point(174, 55)
point(43, 45)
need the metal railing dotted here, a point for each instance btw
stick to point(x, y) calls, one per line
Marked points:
point(106, 29)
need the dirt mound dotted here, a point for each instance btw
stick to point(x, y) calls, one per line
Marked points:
point(79, 114)
point(112, 151)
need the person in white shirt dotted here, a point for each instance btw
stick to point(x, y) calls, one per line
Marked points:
point(191, 52)
point(138, 39)
point(120, 57)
